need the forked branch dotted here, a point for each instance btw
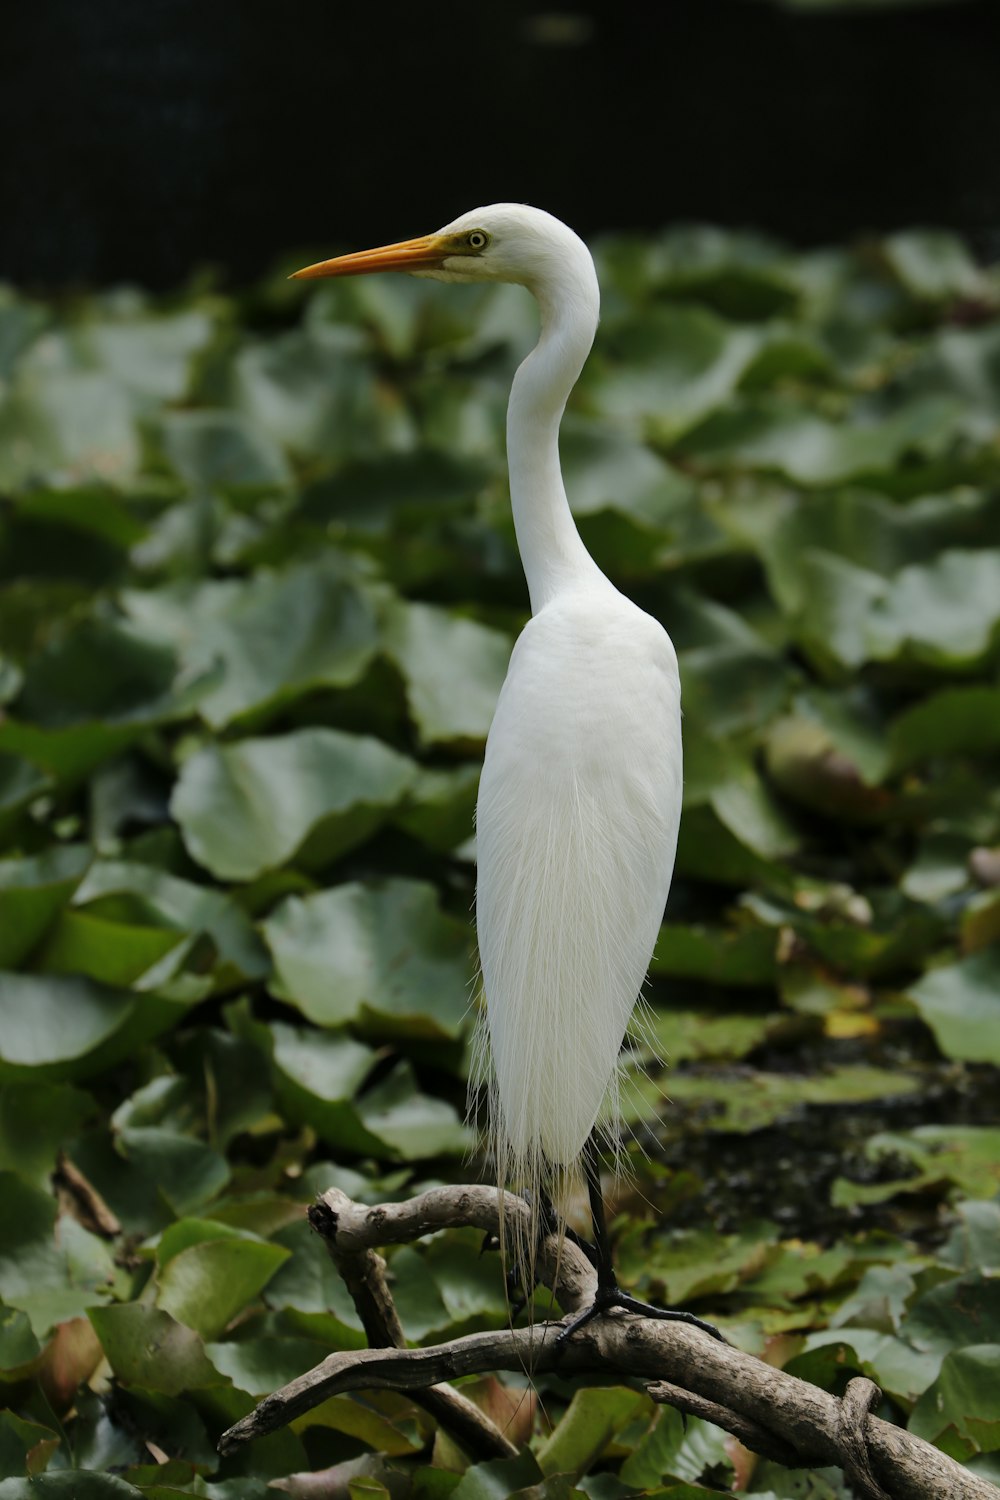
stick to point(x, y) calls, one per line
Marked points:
point(771, 1412)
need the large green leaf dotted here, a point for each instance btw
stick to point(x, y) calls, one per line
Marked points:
point(118, 886)
point(384, 955)
point(69, 1484)
point(674, 366)
point(317, 1078)
point(961, 1004)
point(52, 1022)
point(276, 636)
point(958, 1412)
point(259, 1366)
point(104, 670)
point(32, 892)
point(51, 1268)
point(453, 669)
point(411, 1123)
point(933, 264)
point(591, 1421)
point(150, 1174)
point(146, 1347)
point(67, 426)
point(36, 1120)
point(929, 1158)
point(252, 806)
point(812, 451)
point(205, 1285)
point(210, 449)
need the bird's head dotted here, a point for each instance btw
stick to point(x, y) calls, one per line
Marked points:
point(504, 242)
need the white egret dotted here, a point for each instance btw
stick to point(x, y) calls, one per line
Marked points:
point(580, 797)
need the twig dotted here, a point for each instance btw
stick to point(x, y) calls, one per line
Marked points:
point(751, 1434)
point(741, 1389)
point(363, 1272)
point(855, 1406)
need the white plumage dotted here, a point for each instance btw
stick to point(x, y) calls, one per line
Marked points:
point(581, 790)
point(578, 812)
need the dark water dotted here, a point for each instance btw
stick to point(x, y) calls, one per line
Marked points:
point(141, 140)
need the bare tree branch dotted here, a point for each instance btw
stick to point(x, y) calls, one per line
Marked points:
point(363, 1272)
point(760, 1404)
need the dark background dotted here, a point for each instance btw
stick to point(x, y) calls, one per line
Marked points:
point(143, 138)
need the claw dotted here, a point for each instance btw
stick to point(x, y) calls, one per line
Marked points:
point(613, 1296)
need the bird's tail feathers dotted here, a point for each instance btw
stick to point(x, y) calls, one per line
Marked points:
point(546, 1186)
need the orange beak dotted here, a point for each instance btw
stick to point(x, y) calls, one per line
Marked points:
point(424, 254)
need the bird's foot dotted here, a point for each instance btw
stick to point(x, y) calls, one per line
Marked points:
point(612, 1296)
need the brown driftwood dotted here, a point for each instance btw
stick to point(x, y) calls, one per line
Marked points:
point(770, 1412)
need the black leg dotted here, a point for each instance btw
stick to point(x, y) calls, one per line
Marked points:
point(609, 1293)
point(547, 1224)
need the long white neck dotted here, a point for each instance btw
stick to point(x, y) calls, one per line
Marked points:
point(552, 554)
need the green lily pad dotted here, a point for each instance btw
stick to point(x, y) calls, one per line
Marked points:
point(743, 957)
point(933, 264)
point(221, 449)
point(384, 956)
point(962, 1157)
point(274, 636)
point(146, 1347)
point(260, 1365)
point(53, 1022)
point(958, 1412)
point(150, 1175)
point(310, 1291)
point(593, 1417)
point(32, 892)
point(961, 1004)
point(105, 670)
point(51, 1268)
point(749, 1103)
point(254, 805)
point(453, 669)
point(24, 1446)
point(69, 1484)
point(67, 427)
point(317, 1078)
point(36, 1120)
point(674, 367)
point(121, 886)
point(440, 807)
point(205, 1285)
point(20, 783)
point(18, 1345)
point(413, 1124)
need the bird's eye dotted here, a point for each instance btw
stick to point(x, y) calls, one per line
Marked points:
point(478, 239)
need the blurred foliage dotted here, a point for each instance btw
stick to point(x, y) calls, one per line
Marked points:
point(259, 589)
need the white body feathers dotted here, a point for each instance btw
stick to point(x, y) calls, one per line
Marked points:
point(580, 797)
point(579, 807)
point(581, 790)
